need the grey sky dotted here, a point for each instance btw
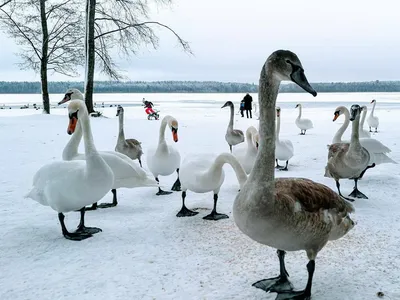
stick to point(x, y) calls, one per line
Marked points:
point(350, 40)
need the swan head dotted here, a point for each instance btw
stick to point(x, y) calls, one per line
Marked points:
point(173, 125)
point(373, 101)
point(340, 110)
point(355, 111)
point(364, 108)
point(285, 65)
point(227, 103)
point(298, 105)
point(71, 94)
point(278, 112)
point(120, 110)
point(75, 107)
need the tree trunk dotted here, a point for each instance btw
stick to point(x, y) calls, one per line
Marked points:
point(90, 54)
point(44, 60)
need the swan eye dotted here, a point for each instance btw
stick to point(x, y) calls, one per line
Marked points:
point(74, 115)
point(288, 61)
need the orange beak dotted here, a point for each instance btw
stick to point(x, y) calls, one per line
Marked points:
point(72, 124)
point(335, 117)
point(175, 134)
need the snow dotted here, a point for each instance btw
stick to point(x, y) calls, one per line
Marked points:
point(146, 252)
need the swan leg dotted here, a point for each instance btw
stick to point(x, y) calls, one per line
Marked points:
point(300, 295)
point(376, 129)
point(83, 229)
point(277, 165)
point(370, 129)
point(160, 191)
point(340, 193)
point(214, 216)
point(114, 203)
point(74, 236)
point(362, 173)
point(356, 193)
point(177, 185)
point(284, 168)
point(185, 212)
point(279, 283)
point(93, 207)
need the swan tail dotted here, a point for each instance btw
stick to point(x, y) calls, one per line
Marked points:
point(383, 159)
point(36, 195)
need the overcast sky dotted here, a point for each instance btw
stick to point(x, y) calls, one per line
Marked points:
point(350, 40)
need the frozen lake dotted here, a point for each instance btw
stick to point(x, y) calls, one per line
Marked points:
point(145, 251)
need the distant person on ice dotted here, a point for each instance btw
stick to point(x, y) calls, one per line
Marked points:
point(242, 108)
point(247, 104)
point(149, 107)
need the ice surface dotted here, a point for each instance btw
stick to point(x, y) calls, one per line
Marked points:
point(146, 252)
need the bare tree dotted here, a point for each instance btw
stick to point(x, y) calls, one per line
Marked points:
point(50, 33)
point(121, 25)
point(4, 3)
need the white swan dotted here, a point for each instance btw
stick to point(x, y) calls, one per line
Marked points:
point(302, 123)
point(70, 185)
point(372, 120)
point(232, 136)
point(289, 214)
point(364, 133)
point(377, 150)
point(202, 174)
point(283, 148)
point(130, 147)
point(126, 173)
point(349, 160)
point(247, 155)
point(165, 159)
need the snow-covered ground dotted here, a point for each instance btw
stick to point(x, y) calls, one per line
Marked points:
point(146, 252)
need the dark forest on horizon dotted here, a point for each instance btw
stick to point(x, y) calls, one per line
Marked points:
point(59, 87)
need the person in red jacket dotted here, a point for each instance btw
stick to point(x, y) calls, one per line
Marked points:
point(148, 107)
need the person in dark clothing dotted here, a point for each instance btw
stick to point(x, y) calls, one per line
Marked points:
point(147, 104)
point(247, 104)
point(242, 108)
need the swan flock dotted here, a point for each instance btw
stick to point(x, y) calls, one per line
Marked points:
point(287, 214)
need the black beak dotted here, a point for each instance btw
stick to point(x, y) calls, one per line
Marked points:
point(66, 98)
point(300, 78)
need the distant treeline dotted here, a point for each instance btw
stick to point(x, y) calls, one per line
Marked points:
point(60, 87)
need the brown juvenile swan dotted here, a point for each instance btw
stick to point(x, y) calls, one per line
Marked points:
point(232, 136)
point(288, 214)
point(130, 147)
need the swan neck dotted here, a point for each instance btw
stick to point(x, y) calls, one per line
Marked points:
point(121, 134)
point(230, 125)
point(71, 149)
point(300, 111)
point(338, 136)
point(161, 137)
point(364, 114)
point(373, 109)
point(229, 159)
point(90, 148)
point(263, 169)
point(249, 137)
point(355, 134)
point(278, 127)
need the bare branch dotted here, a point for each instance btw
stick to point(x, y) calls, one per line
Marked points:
point(5, 3)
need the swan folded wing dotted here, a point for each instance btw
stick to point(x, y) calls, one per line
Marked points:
point(307, 195)
point(334, 148)
point(129, 171)
point(133, 142)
